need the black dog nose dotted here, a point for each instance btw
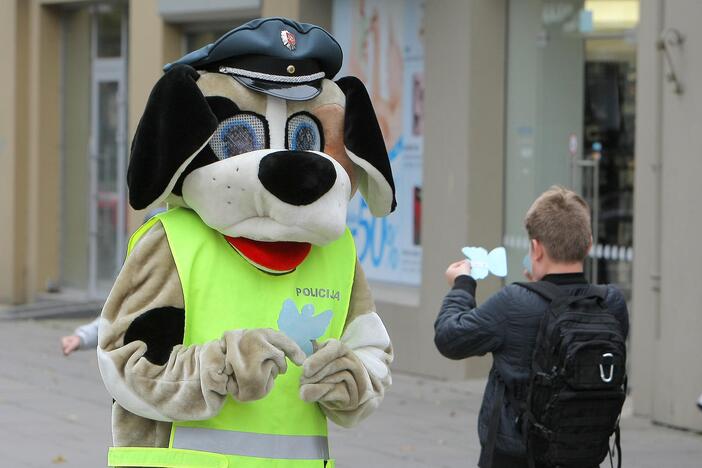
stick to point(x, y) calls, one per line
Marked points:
point(296, 177)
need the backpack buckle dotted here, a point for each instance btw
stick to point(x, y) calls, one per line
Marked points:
point(607, 360)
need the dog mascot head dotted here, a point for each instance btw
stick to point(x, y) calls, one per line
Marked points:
point(254, 136)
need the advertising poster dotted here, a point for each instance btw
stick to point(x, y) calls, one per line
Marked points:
point(383, 45)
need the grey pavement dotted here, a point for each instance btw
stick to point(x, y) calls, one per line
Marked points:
point(54, 412)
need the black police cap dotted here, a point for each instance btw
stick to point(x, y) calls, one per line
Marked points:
point(276, 56)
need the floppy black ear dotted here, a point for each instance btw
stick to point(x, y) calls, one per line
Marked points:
point(366, 148)
point(177, 123)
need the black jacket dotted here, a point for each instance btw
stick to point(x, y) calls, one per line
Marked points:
point(506, 326)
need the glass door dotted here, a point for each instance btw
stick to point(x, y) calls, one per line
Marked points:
point(608, 142)
point(108, 158)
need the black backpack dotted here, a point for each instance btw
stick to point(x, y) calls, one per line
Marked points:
point(577, 384)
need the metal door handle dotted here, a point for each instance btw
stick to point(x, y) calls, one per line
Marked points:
point(671, 37)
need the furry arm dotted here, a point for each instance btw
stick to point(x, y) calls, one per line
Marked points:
point(349, 377)
point(143, 365)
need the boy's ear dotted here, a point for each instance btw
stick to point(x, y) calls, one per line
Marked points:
point(177, 123)
point(366, 148)
point(537, 248)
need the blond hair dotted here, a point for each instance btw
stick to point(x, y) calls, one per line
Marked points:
point(560, 220)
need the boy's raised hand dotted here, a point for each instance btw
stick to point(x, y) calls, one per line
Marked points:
point(456, 269)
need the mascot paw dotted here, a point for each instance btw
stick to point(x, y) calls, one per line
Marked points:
point(332, 376)
point(338, 391)
point(254, 358)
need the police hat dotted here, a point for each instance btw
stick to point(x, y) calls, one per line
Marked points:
point(276, 56)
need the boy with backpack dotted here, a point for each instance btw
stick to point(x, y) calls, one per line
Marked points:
point(558, 379)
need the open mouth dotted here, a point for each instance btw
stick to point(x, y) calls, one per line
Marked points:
point(281, 256)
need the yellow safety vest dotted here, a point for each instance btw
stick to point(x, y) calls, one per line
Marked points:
point(223, 291)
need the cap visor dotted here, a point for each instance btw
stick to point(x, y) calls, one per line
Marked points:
point(292, 92)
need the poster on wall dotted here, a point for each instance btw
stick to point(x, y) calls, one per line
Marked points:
point(383, 44)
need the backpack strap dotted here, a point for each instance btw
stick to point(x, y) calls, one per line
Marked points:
point(618, 444)
point(545, 289)
point(618, 434)
point(597, 290)
point(550, 291)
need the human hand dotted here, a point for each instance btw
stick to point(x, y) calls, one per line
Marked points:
point(254, 358)
point(456, 269)
point(333, 376)
point(528, 275)
point(69, 344)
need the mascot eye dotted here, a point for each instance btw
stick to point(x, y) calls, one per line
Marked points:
point(304, 133)
point(239, 134)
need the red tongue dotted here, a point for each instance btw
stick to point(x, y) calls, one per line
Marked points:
point(275, 256)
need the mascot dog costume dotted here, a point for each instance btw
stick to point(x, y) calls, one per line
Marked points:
point(257, 152)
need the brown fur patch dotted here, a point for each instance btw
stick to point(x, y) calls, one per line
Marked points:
point(331, 116)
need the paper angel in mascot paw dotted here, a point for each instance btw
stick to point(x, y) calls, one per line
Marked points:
point(241, 319)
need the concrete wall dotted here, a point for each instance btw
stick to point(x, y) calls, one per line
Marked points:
point(645, 309)
point(30, 150)
point(463, 170)
point(667, 323)
point(75, 129)
point(13, 23)
point(679, 379)
point(44, 156)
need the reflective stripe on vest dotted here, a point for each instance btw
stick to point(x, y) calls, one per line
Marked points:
point(164, 458)
point(252, 445)
point(222, 291)
point(176, 458)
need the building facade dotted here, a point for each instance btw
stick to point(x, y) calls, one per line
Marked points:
point(483, 103)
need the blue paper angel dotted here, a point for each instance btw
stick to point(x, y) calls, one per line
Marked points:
point(482, 262)
point(303, 327)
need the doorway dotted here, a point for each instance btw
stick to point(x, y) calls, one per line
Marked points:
point(94, 204)
point(608, 142)
point(571, 78)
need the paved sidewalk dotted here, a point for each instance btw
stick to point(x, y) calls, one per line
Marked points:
point(54, 411)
